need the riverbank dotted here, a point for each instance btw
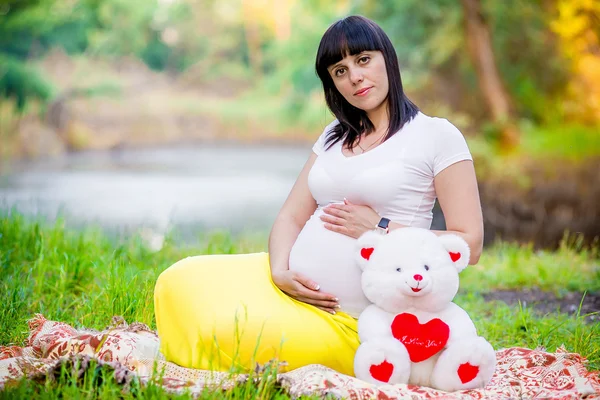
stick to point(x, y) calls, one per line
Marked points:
point(102, 105)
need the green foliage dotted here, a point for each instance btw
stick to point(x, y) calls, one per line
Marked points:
point(21, 82)
point(545, 146)
point(35, 26)
point(430, 40)
point(537, 76)
point(436, 31)
point(124, 25)
point(27, 30)
point(561, 141)
point(156, 54)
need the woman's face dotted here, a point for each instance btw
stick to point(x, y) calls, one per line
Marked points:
point(362, 79)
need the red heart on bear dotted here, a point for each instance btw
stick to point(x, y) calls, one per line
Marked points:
point(467, 372)
point(382, 372)
point(421, 340)
point(366, 252)
point(454, 256)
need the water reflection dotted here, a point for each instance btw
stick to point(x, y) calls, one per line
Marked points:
point(190, 188)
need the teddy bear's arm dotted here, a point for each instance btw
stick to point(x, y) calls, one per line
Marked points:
point(374, 322)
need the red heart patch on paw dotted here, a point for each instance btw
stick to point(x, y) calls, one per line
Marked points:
point(421, 340)
point(467, 372)
point(382, 372)
point(366, 252)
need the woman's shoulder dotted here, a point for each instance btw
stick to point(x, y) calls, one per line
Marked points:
point(330, 126)
point(435, 125)
point(320, 145)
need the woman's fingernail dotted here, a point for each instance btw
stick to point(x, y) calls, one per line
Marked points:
point(317, 287)
point(332, 312)
point(337, 306)
point(336, 299)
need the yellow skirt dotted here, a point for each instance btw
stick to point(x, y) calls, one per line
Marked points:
point(224, 313)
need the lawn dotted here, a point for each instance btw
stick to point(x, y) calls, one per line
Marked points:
point(85, 277)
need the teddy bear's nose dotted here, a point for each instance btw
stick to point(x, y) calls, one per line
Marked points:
point(418, 277)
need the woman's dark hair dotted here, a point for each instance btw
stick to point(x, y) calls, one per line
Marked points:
point(350, 36)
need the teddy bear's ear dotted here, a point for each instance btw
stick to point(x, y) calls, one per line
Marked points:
point(458, 250)
point(365, 246)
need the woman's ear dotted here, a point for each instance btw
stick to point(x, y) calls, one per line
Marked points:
point(365, 247)
point(458, 250)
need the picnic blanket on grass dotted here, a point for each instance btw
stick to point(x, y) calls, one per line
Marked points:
point(132, 352)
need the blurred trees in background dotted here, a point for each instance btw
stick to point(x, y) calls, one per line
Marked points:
point(103, 74)
point(545, 65)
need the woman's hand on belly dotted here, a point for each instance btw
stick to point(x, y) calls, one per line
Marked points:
point(349, 219)
point(305, 290)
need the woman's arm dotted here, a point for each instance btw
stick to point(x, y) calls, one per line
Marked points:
point(294, 213)
point(457, 192)
point(296, 210)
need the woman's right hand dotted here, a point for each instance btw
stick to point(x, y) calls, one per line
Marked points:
point(305, 290)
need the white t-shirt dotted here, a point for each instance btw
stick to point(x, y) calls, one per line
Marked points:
point(395, 179)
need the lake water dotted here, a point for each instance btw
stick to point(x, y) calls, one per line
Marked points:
point(191, 188)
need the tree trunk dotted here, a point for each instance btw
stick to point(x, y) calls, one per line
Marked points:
point(494, 93)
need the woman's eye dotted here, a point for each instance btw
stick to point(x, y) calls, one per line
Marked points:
point(426, 268)
point(339, 72)
point(364, 60)
point(399, 269)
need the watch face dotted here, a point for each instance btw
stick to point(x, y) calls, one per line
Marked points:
point(383, 224)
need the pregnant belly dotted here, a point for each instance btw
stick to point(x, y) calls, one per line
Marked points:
point(328, 258)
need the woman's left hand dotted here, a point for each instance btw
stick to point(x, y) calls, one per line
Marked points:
point(349, 219)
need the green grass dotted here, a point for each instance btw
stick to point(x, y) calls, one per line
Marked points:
point(85, 277)
point(99, 383)
point(572, 268)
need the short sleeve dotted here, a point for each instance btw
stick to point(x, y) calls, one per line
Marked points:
point(450, 147)
point(319, 146)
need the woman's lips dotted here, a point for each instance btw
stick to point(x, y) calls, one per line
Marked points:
point(363, 92)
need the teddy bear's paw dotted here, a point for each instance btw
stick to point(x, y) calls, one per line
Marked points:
point(382, 361)
point(465, 364)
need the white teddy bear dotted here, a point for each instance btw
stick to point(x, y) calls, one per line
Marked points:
point(413, 333)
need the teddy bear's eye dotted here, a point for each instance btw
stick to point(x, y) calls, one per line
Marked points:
point(399, 269)
point(426, 268)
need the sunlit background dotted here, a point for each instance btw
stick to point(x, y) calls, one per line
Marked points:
point(195, 115)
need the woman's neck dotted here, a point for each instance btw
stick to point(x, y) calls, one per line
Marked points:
point(380, 118)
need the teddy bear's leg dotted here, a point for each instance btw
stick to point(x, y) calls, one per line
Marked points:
point(382, 360)
point(466, 364)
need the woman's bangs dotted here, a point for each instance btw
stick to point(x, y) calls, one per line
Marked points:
point(345, 39)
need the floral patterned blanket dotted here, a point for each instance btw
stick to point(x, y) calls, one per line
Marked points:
point(133, 351)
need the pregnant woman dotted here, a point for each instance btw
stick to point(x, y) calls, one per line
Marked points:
point(380, 164)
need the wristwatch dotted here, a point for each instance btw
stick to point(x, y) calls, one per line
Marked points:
point(383, 226)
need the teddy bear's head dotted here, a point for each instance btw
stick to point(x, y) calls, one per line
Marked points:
point(411, 267)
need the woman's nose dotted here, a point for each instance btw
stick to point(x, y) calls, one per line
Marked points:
point(356, 76)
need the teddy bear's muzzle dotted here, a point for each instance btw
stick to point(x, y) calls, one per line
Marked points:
point(417, 286)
